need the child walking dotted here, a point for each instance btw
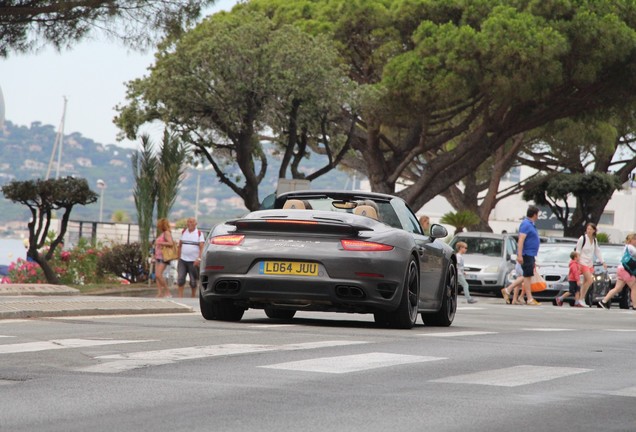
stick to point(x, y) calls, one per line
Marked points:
point(461, 248)
point(574, 281)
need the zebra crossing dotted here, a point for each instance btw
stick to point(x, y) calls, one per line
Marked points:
point(119, 360)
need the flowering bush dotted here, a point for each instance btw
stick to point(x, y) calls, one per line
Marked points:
point(77, 266)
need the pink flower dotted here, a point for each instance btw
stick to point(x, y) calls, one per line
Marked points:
point(66, 255)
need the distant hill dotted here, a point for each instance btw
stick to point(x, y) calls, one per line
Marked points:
point(26, 152)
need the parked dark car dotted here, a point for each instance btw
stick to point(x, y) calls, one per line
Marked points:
point(336, 251)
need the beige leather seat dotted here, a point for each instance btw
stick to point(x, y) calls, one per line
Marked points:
point(294, 204)
point(366, 210)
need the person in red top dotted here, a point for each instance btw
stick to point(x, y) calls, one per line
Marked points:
point(574, 280)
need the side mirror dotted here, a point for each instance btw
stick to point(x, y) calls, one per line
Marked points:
point(438, 231)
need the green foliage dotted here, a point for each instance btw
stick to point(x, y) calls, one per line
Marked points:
point(26, 25)
point(125, 261)
point(460, 220)
point(76, 266)
point(445, 84)
point(144, 166)
point(233, 76)
point(555, 189)
point(43, 197)
point(602, 237)
point(170, 169)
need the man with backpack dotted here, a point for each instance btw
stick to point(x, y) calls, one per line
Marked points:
point(190, 254)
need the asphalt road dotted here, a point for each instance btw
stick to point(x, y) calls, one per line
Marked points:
point(498, 368)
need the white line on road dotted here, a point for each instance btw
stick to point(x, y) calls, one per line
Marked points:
point(457, 334)
point(136, 360)
point(61, 344)
point(539, 329)
point(513, 376)
point(5, 336)
point(352, 363)
point(629, 392)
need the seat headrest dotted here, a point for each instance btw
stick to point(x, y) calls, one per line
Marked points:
point(294, 204)
point(366, 210)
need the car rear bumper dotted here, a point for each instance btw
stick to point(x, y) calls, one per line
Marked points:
point(303, 293)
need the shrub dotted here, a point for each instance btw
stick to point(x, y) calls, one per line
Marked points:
point(125, 261)
point(76, 266)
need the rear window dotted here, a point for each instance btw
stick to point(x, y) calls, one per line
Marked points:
point(482, 245)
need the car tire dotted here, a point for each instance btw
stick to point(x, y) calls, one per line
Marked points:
point(446, 314)
point(405, 315)
point(280, 314)
point(226, 310)
point(207, 311)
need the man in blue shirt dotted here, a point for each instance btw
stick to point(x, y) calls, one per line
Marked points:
point(527, 250)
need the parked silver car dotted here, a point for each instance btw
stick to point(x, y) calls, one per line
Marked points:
point(489, 261)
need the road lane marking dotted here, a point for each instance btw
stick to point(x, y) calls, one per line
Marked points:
point(539, 329)
point(629, 392)
point(5, 336)
point(61, 344)
point(457, 334)
point(351, 363)
point(513, 376)
point(136, 360)
point(621, 330)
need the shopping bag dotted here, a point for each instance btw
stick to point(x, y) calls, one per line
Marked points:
point(537, 283)
point(629, 263)
point(169, 252)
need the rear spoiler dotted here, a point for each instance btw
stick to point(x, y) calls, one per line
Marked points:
point(285, 224)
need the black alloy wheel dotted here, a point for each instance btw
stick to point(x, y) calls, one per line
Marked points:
point(446, 314)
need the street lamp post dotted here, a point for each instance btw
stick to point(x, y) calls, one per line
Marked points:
point(101, 184)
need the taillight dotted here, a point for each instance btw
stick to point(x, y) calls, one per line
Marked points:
point(364, 246)
point(228, 240)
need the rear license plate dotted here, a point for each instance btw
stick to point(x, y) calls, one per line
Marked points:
point(289, 268)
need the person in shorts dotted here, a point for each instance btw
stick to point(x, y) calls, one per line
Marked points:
point(623, 277)
point(527, 250)
point(574, 280)
point(190, 253)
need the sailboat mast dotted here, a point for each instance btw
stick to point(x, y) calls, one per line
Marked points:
point(57, 145)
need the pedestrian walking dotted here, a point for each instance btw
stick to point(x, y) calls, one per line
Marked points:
point(461, 248)
point(515, 289)
point(574, 280)
point(163, 240)
point(527, 250)
point(587, 247)
point(190, 252)
point(623, 276)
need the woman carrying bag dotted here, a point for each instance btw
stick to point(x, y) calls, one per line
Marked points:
point(164, 243)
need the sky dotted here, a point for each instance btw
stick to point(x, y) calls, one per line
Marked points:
point(91, 75)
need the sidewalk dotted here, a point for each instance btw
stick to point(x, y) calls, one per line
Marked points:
point(36, 301)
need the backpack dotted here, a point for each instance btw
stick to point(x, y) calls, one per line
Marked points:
point(629, 263)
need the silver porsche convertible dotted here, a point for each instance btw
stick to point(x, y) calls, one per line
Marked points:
point(333, 251)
